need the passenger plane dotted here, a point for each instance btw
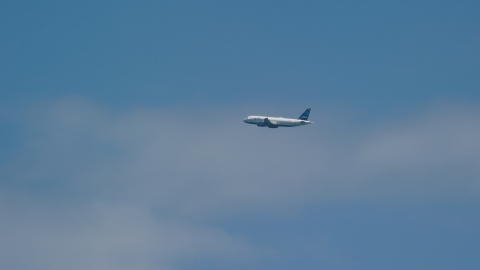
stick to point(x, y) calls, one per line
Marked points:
point(275, 122)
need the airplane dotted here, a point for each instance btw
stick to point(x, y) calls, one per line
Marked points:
point(275, 122)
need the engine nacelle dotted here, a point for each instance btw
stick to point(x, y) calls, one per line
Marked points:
point(261, 124)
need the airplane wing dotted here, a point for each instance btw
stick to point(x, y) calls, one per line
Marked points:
point(269, 124)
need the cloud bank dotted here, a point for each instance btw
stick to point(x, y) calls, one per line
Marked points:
point(141, 188)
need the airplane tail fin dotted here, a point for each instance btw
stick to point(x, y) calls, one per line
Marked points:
point(305, 115)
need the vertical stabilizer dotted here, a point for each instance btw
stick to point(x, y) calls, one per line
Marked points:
point(305, 115)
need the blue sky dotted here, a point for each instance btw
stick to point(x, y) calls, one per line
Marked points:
point(123, 147)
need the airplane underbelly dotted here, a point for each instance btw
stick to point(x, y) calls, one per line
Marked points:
point(285, 123)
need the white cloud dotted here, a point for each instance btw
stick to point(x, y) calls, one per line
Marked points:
point(107, 236)
point(443, 136)
point(436, 153)
point(194, 158)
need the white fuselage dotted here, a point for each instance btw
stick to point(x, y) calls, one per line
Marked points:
point(277, 121)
